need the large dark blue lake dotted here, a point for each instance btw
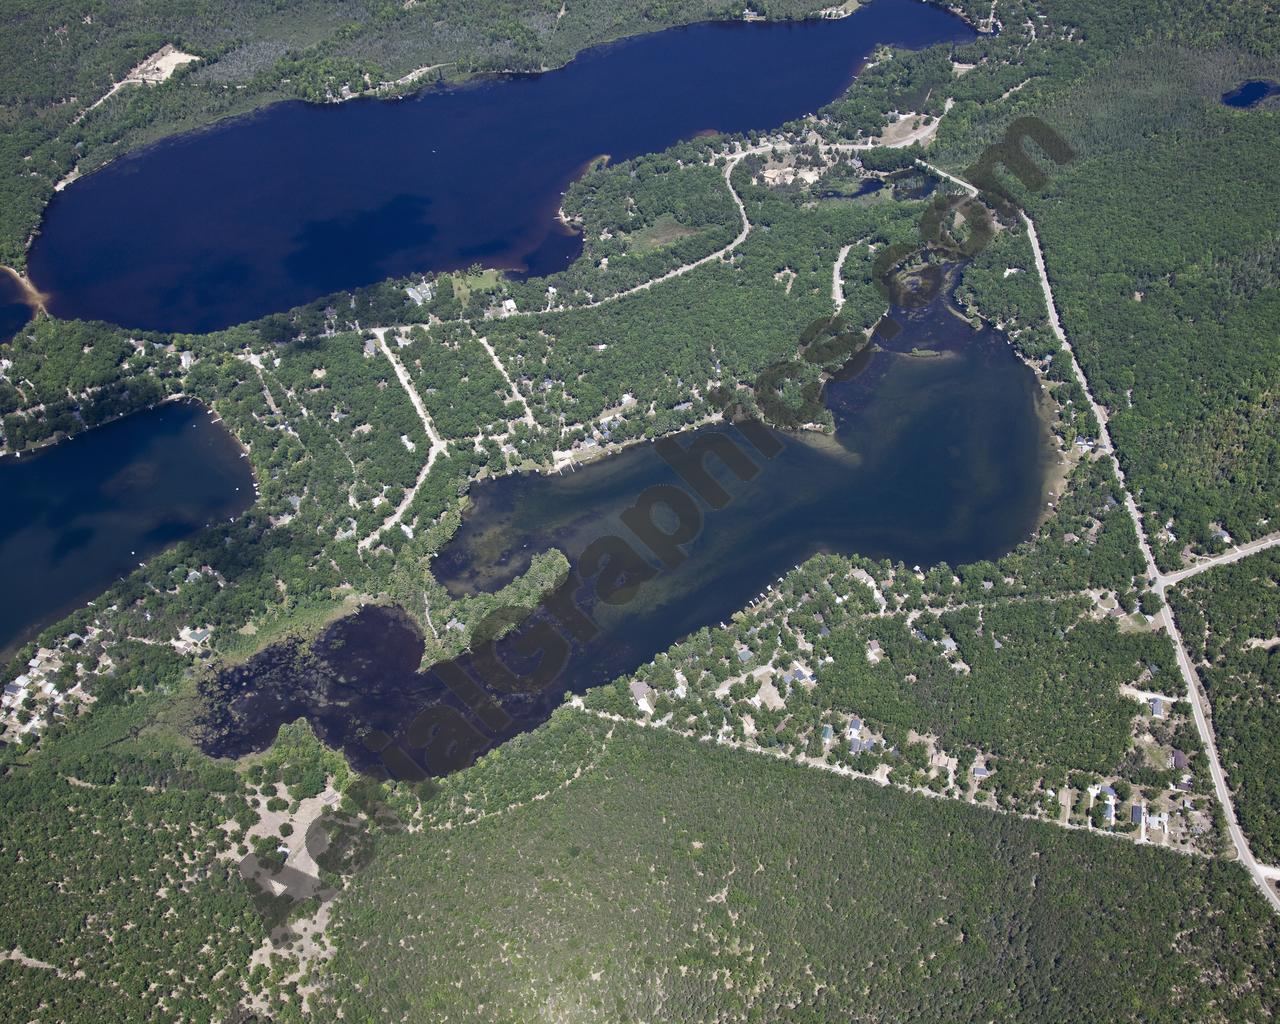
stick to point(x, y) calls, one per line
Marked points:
point(273, 210)
point(939, 454)
point(79, 515)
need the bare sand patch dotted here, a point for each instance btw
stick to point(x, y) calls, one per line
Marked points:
point(153, 70)
point(768, 696)
point(909, 129)
point(31, 295)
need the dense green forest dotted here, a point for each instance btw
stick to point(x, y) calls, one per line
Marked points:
point(659, 878)
point(63, 377)
point(598, 870)
point(1230, 618)
point(111, 880)
point(1160, 239)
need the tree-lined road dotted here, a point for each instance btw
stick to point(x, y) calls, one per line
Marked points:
point(1199, 705)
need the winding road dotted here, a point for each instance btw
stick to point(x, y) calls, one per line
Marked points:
point(921, 133)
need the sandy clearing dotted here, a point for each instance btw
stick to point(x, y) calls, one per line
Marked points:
point(157, 68)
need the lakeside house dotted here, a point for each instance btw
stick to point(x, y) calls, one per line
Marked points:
point(642, 694)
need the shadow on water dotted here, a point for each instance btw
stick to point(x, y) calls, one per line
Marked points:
point(938, 455)
point(273, 210)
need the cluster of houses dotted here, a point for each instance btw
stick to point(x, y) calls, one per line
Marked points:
point(1139, 814)
point(37, 682)
point(858, 743)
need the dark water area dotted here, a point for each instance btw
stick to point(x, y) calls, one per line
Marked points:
point(14, 311)
point(912, 184)
point(298, 201)
point(1251, 93)
point(868, 186)
point(939, 455)
point(79, 515)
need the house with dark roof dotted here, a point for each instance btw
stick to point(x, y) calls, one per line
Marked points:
point(642, 694)
point(1136, 813)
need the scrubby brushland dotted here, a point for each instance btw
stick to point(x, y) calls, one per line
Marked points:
point(601, 871)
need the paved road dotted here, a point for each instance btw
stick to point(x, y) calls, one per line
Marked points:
point(1260, 872)
point(1234, 554)
point(1199, 706)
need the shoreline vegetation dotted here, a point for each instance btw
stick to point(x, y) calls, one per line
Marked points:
point(311, 628)
point(171, 64)
point(1037, 683)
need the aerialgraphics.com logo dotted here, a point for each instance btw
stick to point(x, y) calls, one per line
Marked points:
point(665, 518)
